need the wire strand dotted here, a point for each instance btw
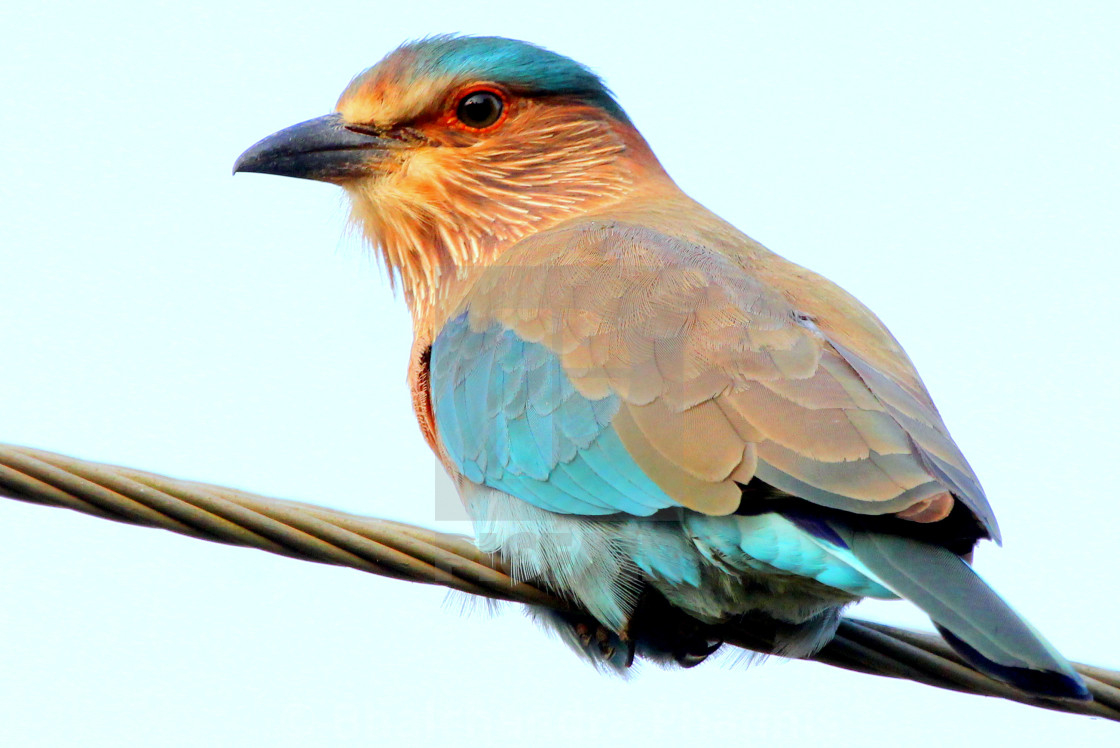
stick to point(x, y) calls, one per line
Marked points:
point(407, 552)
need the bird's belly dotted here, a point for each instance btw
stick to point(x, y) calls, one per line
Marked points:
point(697, 563)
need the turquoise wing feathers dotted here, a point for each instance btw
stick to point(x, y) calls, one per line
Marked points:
point(510, 418)
point(519, 416)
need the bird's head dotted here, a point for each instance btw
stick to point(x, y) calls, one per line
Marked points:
point(452, 148)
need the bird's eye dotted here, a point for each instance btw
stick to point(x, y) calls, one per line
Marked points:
point(479, 109)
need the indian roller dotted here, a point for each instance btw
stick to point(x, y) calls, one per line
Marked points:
point(641, 407)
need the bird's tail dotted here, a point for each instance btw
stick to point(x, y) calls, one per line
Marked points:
point(974, 620)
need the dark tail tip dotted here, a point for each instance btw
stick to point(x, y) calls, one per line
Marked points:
point(1049, 683)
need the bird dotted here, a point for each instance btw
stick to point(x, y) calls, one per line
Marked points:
point(641, 407)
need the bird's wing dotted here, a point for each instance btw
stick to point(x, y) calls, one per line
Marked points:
point(604, 367)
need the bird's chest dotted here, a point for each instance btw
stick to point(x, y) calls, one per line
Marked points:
point(420, 387)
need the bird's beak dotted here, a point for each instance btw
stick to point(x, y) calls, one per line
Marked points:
point(323, 148)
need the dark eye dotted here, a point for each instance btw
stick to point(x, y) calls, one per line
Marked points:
point(479, 109)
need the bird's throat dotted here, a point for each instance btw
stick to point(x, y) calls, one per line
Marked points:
point(445, 212)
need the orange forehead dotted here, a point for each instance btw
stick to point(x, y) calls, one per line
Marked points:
point(391, 92)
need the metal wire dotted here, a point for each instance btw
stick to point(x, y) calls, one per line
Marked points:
point(402, 551)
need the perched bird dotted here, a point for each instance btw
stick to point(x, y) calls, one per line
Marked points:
point(643, 408)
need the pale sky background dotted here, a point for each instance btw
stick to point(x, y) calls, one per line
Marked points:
point(956, 168)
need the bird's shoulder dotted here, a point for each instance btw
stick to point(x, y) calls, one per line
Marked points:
point(729, 364)
point(673, 253)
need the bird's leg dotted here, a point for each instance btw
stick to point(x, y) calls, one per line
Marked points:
point(628, 640)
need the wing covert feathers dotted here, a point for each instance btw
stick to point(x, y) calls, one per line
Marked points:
point(720, 377)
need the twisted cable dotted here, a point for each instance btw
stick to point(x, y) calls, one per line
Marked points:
point(406, 552)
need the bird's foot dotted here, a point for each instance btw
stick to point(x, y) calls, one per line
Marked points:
point(591, 633)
